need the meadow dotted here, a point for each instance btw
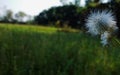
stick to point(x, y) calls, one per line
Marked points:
point(39, 50)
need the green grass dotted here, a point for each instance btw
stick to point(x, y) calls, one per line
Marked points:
point(37, 50)
point(29, 28)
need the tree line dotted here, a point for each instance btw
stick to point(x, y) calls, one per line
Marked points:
point(73, 15)
point(9, 17)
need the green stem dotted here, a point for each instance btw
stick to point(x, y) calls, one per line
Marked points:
point(117, 41)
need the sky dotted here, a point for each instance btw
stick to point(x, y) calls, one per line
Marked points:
point(30, 7)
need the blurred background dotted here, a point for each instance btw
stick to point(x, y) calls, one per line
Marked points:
point(58, 13)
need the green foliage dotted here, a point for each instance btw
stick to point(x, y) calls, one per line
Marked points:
point(27, 50)
point(69, 2)
point(69, 14)
point(8, 17)
point(19, 16)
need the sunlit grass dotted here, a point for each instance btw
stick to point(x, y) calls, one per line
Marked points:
point(31, 50)
point(32, 28)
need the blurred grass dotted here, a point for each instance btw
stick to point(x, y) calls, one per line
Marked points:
point(37, 50)
point(32, 28)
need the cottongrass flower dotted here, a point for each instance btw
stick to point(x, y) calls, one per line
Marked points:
point(101, 23)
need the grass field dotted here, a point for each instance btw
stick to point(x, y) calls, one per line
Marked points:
point(38, 50)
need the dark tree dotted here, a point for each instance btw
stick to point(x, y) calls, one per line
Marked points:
point(70, 15)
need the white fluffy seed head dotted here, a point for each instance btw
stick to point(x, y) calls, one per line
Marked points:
point(101, 21)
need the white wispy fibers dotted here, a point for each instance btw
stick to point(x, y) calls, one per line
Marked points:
point(101, 23)
point(104, 38)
